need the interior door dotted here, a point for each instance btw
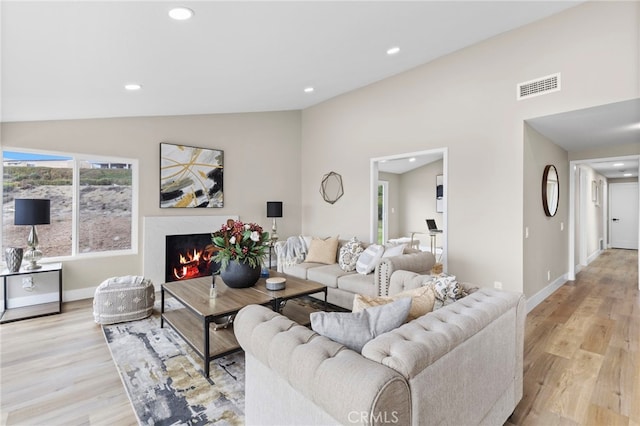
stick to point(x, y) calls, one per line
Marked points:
point(623, 217)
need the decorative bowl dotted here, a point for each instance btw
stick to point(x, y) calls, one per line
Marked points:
point(276, 283)
point(222, 322)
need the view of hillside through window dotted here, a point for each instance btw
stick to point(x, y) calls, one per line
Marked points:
point(104, 202)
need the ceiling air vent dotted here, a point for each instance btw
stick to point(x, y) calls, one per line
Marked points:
point(539, 86)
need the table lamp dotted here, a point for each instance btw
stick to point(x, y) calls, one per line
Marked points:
point(274, 210)
point(32, 212)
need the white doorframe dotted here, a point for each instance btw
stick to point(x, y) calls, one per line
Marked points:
point(385, 209)
point(573, 165)
point(583, 199)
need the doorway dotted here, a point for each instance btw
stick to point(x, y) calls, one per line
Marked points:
point(590, 192)
point(623, 215)
point(407, 219)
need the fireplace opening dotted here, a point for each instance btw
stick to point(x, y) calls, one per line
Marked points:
point(188, 256)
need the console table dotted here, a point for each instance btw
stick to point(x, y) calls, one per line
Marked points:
point(36, 310)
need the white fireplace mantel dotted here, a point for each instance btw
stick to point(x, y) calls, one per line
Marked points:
point(156, 229)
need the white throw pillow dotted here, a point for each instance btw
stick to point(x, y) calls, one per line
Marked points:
point(354, 330)
point(369, 259)
point(394, 250)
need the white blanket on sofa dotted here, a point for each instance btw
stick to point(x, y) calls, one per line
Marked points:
point(293, 251)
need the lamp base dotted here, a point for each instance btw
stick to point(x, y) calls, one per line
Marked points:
point(274, 231)
point(32, 266)
point(32, 255)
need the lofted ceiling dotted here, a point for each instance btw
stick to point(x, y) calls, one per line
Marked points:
point(602, 126)
point(71, 59)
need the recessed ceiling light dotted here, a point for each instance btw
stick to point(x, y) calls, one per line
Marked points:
point(132, 86)
point(308, 89)
point(181, 13)
point(412, 159)
point(394, 50)
point(627, 175)
point(618, 164)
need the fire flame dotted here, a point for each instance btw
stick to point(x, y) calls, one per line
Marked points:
point(190, 263)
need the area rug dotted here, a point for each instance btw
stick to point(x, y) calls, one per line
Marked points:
point(163, 376)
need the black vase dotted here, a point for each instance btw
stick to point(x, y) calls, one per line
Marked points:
point(240, 275)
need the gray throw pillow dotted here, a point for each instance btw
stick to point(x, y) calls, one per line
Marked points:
point(355, 329)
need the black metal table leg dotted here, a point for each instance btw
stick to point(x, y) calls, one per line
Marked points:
point(161, 307)
point(326, 305)
point(207, 322)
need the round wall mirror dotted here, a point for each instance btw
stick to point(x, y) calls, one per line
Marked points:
point(550, 190)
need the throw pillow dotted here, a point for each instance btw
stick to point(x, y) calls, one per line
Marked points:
point(447, 290)
point(354, 330)
point(391, 251)
point(323, 251)
point(369, 259)
point(349, 254)
point(422, 301)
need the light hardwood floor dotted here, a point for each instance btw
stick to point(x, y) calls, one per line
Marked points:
point(582, 350)
point(582, 359)
point(57, 370)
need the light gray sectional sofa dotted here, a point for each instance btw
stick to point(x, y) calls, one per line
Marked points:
point(459, 365)
point(343, 286)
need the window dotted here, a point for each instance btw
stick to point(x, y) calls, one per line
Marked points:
point(93, 202)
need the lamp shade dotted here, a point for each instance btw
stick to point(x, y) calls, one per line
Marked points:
point(29, 211)
point(274, 208)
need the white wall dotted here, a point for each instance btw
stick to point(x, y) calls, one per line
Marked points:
point(591, 213)
point(546, 249)
point(261, 162)
point(467, 102)
point(394, 207)
point(419, 200)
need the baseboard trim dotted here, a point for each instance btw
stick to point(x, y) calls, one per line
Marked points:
point(78, 294)
point(593, 256)
point(540, 296)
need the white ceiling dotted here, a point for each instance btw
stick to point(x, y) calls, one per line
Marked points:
point(406, 164)
point(66, 60)
point(602, 126)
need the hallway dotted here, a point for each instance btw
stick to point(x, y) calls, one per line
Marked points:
point(582, 349)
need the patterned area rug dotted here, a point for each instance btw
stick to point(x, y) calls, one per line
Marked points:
point(163, 376)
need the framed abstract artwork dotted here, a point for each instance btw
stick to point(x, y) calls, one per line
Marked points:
point(190, 176)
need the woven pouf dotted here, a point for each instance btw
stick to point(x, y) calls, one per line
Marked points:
point(120, 299)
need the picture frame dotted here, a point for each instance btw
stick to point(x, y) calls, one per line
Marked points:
point(191, 177)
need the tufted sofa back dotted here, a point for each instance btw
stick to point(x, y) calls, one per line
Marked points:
point(475, 345)
point(333, 377)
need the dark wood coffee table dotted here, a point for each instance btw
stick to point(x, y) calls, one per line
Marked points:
point(193, 322)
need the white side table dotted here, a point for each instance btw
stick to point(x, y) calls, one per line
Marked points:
point(37, 310)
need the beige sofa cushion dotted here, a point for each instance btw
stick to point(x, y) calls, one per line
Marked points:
point(326, 274)
point(358, 284)
point(422, 301)
point(322, 251)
